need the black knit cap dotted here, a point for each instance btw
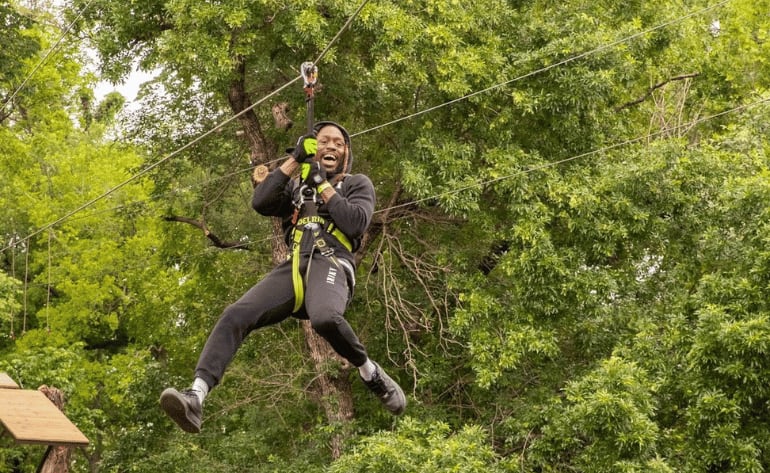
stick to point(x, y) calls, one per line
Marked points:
point(317, 127)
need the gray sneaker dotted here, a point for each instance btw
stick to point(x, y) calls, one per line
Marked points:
point(183, 407)
point(389, 392)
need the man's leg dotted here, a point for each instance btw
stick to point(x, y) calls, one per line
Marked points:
point(327, 295)
point(268, 302)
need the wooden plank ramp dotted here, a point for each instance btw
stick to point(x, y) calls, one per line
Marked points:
point(31, 418)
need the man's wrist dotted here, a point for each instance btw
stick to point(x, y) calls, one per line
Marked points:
point(288, 166)
point(323, 186)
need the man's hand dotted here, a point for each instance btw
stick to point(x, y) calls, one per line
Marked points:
point(316, 173)
point(305, 149)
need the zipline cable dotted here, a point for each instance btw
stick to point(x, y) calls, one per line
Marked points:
point(45, 58)
point(191, 143)
point(154, 165)
point(318, 59)
point(339, 33)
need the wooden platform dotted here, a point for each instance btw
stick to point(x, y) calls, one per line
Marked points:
point(31, 418)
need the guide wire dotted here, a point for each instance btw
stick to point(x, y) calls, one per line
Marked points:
point(579, 156)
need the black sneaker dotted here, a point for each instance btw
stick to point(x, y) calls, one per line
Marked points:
point(389, 392)
point(184, 408)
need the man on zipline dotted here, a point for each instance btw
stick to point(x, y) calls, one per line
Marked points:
point(325, 212)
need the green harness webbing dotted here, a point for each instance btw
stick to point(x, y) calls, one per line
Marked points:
point(316, 225)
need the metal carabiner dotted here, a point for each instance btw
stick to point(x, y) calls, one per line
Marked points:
point(309, 73)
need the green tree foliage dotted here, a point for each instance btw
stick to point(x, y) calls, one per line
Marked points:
point(568, 265)
point(414, 447)
point(73, 293)
point(19, 45)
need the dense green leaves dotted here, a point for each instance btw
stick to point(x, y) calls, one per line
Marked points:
point(19, 45)
point(414, 447)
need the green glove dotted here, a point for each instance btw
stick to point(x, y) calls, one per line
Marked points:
point(305, 149)
point(313, 173)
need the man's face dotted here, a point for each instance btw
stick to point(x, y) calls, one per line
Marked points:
point(331, 150)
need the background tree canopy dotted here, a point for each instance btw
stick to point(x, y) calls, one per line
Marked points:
point(567, 270)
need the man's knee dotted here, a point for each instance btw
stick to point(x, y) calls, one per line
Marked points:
point(229, 317)
point(326, 324)
point(242, 316)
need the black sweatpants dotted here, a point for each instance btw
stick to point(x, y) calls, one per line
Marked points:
point(328, 290)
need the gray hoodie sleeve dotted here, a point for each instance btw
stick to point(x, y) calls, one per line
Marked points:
point(272, 197)
point(351, 209)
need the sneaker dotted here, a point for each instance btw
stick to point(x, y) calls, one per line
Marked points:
point(183, 407)
point(389, 392)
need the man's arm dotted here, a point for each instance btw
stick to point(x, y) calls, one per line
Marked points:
point(289, 166)
point(272, 196)
point(352, 212)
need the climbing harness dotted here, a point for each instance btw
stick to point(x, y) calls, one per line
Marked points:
point(306, 219)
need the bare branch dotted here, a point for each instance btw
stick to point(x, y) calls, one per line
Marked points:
point(654, 88)
point(218, 242)
point(379, 221)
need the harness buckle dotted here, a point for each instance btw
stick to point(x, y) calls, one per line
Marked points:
point(323, 248)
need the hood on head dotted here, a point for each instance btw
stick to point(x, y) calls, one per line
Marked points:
point(349, 164)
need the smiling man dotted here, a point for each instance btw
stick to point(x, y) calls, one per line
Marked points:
point(325, 213)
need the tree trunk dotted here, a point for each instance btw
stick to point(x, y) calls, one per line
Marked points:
point(58, 458)
point(334, 391)
point(336, 395)
point(252, 129)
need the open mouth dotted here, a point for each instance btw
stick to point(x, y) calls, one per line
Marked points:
point(329, 159)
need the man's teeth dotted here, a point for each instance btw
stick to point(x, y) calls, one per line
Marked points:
point(330, 157)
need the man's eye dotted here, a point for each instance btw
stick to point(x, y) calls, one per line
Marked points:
point(338, 144)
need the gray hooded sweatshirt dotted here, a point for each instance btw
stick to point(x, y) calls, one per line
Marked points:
point(350, 209)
